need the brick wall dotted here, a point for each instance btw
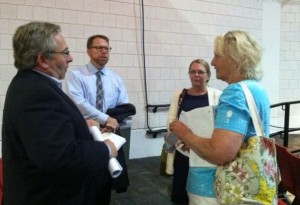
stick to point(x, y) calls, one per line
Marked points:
point(176, 32)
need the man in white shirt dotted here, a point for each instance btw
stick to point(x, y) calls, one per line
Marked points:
point(82, 89)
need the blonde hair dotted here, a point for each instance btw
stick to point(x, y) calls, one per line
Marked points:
point(243, 49)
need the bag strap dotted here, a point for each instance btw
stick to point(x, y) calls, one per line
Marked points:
point(182, 94)
point(253, 110)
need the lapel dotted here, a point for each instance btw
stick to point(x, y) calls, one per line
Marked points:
point(44, 80)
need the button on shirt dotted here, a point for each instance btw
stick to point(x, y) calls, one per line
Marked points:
point(81, 88)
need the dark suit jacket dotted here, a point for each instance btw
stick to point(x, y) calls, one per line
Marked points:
point(49, 156)
point(121, 112)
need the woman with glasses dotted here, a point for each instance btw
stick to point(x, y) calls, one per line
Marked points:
point(198, 95)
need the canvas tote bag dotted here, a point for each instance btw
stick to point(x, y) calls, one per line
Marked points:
point(252, 177)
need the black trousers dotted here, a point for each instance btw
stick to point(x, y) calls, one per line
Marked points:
point(181, 169)
point(102, 185)
point(121, 183)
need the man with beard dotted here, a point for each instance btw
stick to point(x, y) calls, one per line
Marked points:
point(95, 88)
point(49, 155)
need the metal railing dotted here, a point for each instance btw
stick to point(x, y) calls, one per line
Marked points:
point(154, 109)
point(285, 106)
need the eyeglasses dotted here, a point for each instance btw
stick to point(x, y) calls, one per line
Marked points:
point(102, 48)
point(232, 35)
point(199, 72)
point(64, 53)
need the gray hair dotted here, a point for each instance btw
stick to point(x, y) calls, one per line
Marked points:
point(31, 40)
point(244, 50)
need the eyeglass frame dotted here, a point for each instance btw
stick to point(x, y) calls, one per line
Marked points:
point(101, 48)
point(64, 53)
point(199, 72)
point(233, 36)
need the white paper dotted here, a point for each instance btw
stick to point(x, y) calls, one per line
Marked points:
point(114, 166)
point(116, 139)
point(98, 136)
point(201, 122)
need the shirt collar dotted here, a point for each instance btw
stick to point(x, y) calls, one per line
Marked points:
point(56, 81)
point(93, 70)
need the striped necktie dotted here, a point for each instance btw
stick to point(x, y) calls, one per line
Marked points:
point(99, 92)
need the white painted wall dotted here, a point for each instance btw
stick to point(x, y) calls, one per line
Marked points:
point(271, 49)
point(289, 67)
point(176, 32)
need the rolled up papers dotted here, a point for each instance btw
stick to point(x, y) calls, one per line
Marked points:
point(114, 166)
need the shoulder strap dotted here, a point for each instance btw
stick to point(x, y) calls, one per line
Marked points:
point(182, 94)
point(253, 110)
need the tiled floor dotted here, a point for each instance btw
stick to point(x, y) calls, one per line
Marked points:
point(293, 142)
point(147, 187)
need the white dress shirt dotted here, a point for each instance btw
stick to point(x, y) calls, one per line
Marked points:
point(81, 88)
